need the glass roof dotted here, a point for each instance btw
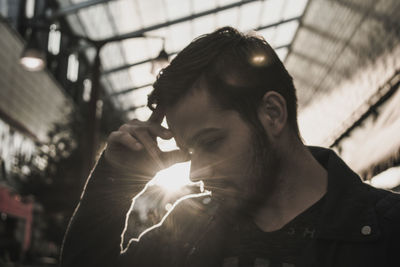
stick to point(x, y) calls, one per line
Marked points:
point(118, 17)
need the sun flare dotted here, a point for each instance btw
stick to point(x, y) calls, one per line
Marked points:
point(173, 178)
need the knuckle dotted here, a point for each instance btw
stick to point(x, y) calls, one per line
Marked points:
point(118, 136)
point(114, 135)
point(141, 131)
point(155, 126)
point(124, 128)
point(135, 122)
point(125, 136)
point(155, 123)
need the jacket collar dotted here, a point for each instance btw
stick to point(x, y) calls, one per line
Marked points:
point(348, 212)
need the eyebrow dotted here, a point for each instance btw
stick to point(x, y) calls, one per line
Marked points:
point(197, 135)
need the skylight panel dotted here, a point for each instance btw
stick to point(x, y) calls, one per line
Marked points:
point(201, 5)
point(177, 9)
point(126, 16)
point(138, 97)
point(111, 56)
point(96, 21)
point(155, 45)
point(120, 80)
point(228, 17)
point(151, 12)
point(249, 16)
point(135, 49)
point(161, 32)
point(294, 8)
point(132, 15)
point(179, 36)
point(285, 33)
point(269, 35)
point(282, 53)
point(124, 102)
point(141, 74)
point(271, 11)
point(204, 25)
point(225, 2)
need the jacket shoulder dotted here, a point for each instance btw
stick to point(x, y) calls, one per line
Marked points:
point(388, 206)
point(388, 210)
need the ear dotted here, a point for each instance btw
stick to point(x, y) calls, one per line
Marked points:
point(272, 113)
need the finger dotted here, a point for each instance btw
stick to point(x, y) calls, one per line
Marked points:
point(124, 139)
point(172, 157)
point(133, 130)
point(153, 128)
point(158, 130)
point(154, 124)
point(135, 122)
point(130, 142)
point(157, 115)
point(151, 146)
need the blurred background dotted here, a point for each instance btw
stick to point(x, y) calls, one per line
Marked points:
point(72, 71)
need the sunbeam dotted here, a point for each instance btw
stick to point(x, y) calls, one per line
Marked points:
point(172, 180)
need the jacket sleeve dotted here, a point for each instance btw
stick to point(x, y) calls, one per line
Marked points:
point(392, 230)
point(94, 232)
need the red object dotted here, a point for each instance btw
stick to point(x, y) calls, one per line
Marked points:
point(11, 204)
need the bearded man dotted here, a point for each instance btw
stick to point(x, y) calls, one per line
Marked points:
point(231, 107)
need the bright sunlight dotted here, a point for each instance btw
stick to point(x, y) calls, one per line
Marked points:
point(173, 178)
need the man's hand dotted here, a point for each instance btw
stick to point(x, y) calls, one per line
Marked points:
point(134, 147)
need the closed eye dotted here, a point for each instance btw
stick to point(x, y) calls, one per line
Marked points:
point(209, 145)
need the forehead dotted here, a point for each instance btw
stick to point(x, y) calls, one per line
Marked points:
point(198, 101)
point(195, 110)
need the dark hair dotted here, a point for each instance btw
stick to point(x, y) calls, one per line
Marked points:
point(238, 70)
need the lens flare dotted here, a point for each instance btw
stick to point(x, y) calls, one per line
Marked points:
point(173, 178)
point(173, 181)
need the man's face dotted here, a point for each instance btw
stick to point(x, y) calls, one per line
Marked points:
point(235, 162)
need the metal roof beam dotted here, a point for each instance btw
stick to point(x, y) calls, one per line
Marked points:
point(74, 8)
point(129, 90)
point(127, 66)
point(151, 84)
point(140, 32)
point(176, 52)
point(385, 92)
point(277, 23)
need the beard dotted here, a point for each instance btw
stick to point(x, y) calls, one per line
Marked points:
point(257, 183)
point(262, 174)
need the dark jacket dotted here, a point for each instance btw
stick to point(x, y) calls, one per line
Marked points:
point(359, 226)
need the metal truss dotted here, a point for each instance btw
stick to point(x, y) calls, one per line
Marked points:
point(74, 8)
point(106, 72)
point(141, 32)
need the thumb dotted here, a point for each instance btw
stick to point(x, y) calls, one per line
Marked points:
point(172, 157)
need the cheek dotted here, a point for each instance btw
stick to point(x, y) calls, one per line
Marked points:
point(237, 159)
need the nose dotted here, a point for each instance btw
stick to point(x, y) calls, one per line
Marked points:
point(199, 170)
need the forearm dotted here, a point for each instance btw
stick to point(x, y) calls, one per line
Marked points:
point(93, 236)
